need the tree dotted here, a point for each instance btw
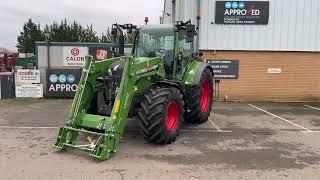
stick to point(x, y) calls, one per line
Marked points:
point(73, 32)
point(106, 38)
point(89, 35)
point(129, 37)
point(62, 32)
point(31, 33)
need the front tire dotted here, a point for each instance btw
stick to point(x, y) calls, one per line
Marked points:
point(161, 114)
point(200, 99)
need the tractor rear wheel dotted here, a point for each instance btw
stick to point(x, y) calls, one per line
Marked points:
point(200, 99)
point(161, 114)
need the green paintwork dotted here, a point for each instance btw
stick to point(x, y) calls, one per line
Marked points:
point(132, 80)
point(191, 71)
point(137, 76)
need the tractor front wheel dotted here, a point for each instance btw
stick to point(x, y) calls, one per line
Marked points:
point(200, 99)
point(161, 114)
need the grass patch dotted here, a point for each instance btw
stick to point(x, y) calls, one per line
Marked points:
point(22, 101)
point(27, 101)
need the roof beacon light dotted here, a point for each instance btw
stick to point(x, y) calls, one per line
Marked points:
point(146, 20)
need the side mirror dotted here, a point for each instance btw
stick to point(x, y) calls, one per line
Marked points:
point(191, 31)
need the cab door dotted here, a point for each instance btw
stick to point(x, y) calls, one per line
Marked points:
point(184, 53)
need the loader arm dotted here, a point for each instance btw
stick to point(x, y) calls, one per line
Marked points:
point(136, 77)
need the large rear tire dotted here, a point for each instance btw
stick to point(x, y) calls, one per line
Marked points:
point(200, 99)
point(161, 114)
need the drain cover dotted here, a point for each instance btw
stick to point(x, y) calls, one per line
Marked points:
point(261, 132)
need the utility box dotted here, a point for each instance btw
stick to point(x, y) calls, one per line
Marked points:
point(7, 85)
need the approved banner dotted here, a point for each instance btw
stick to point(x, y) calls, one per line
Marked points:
point(242, 12)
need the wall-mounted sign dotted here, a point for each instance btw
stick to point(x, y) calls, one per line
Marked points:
point(224, 69)
point(100, 53)
point(29, 90)
point(62, 82)
point(74, 56)
point(242, 12)
point(7, 85)
point(27, 76)
point(274, 70)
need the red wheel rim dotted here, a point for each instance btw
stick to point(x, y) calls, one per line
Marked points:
point(205, 96)
point(172, 116)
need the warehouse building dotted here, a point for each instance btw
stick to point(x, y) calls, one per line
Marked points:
point(60, 64)
point(260, 50)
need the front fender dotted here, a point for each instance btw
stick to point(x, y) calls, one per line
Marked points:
point(193, 74)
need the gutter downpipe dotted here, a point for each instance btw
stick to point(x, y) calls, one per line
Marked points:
point(48, 54)
point(173, 11)
point(198, 17)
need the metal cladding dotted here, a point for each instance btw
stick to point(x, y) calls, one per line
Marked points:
point(292, 25)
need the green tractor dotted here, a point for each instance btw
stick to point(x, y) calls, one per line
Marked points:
point(163, 83)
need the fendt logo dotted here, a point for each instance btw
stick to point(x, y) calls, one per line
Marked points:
point(239, 9)
point(75, 51)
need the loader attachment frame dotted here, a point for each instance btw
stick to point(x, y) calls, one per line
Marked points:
point(136, 77)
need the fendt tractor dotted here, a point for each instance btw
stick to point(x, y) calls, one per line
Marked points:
point(162, 83)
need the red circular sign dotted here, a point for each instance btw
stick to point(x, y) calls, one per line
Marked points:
point(101, 54)
point(75, 51)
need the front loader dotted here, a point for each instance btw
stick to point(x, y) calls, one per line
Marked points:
point(163, 83)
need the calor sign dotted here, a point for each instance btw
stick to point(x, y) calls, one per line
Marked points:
point(74, 56)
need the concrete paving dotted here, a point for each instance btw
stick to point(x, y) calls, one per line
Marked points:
point(241, 141)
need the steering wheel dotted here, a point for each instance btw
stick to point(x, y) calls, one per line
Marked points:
point(162, 52)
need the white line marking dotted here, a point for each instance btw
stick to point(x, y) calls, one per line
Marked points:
point(308, 130)
point(224, 131)
point(26, 127)
point(312, 107)
point(204, 130)
point(306, 163)
point(214, 125)
point(217, 127)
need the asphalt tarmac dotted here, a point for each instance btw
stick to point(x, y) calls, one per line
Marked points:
point(240, 141)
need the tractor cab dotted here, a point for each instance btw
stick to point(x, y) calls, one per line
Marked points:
point(173, 43)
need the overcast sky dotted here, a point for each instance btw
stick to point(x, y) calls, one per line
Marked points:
point(100, 13)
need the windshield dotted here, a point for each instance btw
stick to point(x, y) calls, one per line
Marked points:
point(154, 42)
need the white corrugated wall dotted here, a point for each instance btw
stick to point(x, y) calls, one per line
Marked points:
point(185, 10)
point(167, 12)
point(294, 25)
